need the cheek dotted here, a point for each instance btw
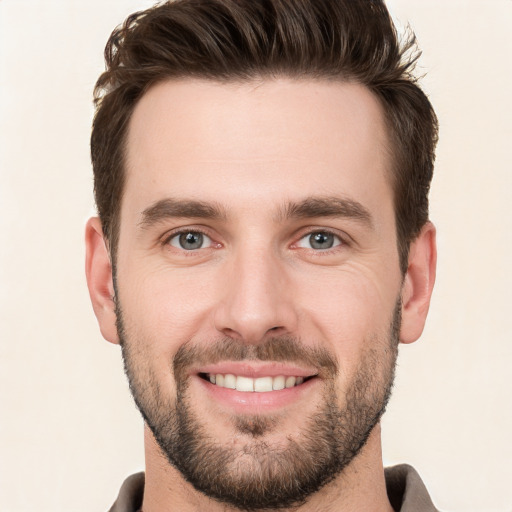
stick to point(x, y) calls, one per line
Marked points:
point(350, 311)
point(166, 306)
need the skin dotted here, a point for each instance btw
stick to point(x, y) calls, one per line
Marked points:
point(251, 149)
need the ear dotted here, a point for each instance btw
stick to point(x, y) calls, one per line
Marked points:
point(98, 271)
point(418, 284)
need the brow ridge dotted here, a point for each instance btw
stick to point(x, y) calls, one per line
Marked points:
point(328, 206)
point(180, 208)
point(310, 207)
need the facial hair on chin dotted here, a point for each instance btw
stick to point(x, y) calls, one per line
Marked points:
point(259, 476)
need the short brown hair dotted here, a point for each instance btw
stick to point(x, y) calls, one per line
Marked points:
point(232, 40)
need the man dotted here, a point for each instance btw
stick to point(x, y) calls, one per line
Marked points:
point(263, 245)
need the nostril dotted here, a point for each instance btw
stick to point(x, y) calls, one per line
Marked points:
point(231, 333)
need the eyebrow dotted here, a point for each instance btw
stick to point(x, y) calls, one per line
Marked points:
point(327, 207)
point(310, 207)
point(176, 208)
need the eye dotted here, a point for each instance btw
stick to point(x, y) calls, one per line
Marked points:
point(319, 240)
point(190, 240)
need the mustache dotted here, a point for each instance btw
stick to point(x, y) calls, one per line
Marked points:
point(276, 349)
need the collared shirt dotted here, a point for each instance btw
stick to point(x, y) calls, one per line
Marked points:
point(406, 491)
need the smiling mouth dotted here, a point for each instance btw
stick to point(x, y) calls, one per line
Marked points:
point(254, 385)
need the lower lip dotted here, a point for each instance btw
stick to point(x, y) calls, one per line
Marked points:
point(254, 402)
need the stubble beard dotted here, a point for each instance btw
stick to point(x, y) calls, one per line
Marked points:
point(259, 475)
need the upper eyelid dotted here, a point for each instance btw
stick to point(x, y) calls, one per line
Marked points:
point(165, 242)
point(324, 231)
point(303, 232)
point(296, 237)
point(342, 244)
point(188, 229)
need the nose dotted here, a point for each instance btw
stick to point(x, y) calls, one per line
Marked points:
point(257, 299)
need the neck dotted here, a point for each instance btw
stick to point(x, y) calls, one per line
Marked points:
point(361, 486)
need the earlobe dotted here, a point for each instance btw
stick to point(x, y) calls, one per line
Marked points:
point(98, 270)
point(418, 284)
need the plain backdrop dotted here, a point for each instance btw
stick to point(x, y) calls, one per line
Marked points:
point(69, 433)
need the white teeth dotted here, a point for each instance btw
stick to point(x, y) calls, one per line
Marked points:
point(244, 384)
point(230, 381)
point(290, 382)
point(263, 384)
point(260, 385)
point(278, 383)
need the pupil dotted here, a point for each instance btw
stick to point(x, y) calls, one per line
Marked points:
point(321, 241)
point(191, 241)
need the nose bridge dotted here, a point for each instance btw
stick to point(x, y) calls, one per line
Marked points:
point(256, 298)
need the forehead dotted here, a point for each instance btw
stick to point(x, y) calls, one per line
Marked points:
point(204, 140)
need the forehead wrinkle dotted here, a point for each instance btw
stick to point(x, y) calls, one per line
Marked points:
point(325, 206)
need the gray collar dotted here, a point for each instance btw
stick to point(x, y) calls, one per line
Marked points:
point(406, 491)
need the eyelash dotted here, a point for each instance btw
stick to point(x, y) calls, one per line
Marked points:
point(343, 242)
point(166, 241)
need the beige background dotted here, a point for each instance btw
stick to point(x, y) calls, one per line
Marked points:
point(69, 433)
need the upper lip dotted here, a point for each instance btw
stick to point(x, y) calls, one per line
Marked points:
point(256, 369)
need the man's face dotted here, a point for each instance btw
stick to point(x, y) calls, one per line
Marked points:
point(257, 249)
